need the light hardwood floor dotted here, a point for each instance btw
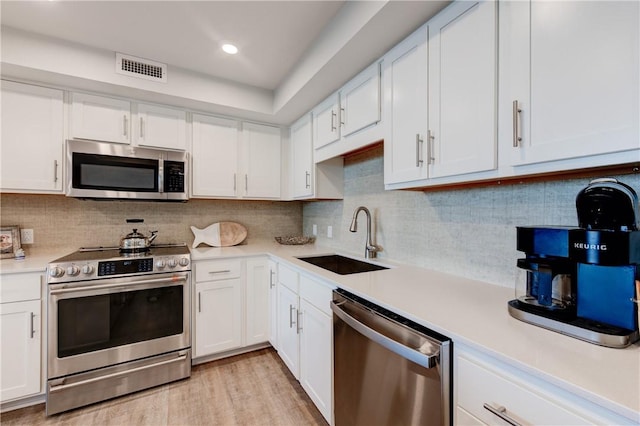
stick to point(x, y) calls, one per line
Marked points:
point(249, 389)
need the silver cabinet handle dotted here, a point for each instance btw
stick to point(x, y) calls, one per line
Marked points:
point(333, 116)
point(141, 127)
point(419, 142)
point(32, 330)
point(307, 175)
point(271, 282)
point(222, 271)
point(55, 170)
point(431, 141)
point(502, 413)
point(246, 182)
point(125, 125)
point(342, 116)
point(298, 318)
point(291, 322)
point(517, 137)
point(234, 182)
point(199, 302)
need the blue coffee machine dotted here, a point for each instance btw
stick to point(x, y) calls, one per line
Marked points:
point(584, 281)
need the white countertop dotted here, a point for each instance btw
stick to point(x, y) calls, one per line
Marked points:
point(475, 313)
point(468, 311)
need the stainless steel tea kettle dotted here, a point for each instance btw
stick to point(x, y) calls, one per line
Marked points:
point(135, 241)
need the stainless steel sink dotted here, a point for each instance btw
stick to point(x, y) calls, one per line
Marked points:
point(341, 265)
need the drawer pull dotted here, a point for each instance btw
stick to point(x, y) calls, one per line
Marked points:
point(502, 413)
point(224, 271)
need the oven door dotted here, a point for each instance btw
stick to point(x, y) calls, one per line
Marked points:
point(100, 323)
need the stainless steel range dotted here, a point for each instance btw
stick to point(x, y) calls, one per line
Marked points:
point(118, 322)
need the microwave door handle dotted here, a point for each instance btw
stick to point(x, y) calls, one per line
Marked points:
point(161, 175)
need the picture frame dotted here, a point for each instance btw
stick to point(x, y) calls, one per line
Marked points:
point(9, 241)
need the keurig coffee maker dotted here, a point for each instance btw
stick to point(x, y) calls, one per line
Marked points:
point(584, 281)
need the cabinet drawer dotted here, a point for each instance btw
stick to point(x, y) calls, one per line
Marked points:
point(316, 293)
point(214, 270)
point(288, 277)
point(479, 385)
point(18, 287)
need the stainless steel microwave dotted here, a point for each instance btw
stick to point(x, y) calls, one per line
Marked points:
point(114, 171)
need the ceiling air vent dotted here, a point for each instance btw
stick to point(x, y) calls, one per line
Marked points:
point(141, 68)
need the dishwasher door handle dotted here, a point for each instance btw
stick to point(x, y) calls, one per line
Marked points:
point(413, 355)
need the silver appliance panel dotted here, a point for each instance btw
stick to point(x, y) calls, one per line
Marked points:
point(388, 370)
point(122, 150)
point(60, 366)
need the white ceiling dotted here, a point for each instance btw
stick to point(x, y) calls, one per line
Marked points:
point(273, 36)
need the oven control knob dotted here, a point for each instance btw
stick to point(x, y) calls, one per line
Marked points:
point(184, 261)
point(56, 272)
point(160, 264)
point(73, 270)
point(172, 262)
point(87, 269)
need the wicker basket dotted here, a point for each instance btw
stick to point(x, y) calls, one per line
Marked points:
point(295, 240)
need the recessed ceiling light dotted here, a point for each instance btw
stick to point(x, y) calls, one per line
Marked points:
point(230, 49)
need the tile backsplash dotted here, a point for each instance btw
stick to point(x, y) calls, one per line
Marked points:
point(467, 232)
point(61, 223)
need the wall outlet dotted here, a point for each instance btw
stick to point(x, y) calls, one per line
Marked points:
point(26, 236)
point(329, 231)
point(314, 230)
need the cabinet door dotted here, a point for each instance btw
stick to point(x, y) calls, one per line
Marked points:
point(161, 127)
point(302, 167)
point(20, 349)
point(360, 101)
point(257, 301)
point(573, 68)
point(316, 352)
point(32, 138)
point(218, 316)
point(100, 118)
point(405, 124)
point(215, 156)
point(462, 89)
point(273, 304)
point(288, 329)
point(326, 122)
point(262, 146)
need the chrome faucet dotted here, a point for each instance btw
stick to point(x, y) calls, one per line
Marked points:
point(370, 249)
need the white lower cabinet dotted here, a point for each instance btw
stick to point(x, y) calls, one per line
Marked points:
point(231, 305)
point(305, 335)
point(488, 391)
point(21, 336)
point(218, 309)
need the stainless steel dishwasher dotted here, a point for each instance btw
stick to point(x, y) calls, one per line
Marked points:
point(388, 370)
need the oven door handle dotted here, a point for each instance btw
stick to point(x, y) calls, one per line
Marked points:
point(171, 280)
point(58, 388)
point(413, 355)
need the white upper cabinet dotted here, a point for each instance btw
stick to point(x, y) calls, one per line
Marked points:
point(326, 122)
point(302, 155)
point(161, 127)
point(572, 67)
point(440, 102)
point(32, 138)
point(405, 109)
point(360, 101)
point(262, 158)
point(110, 120)
point(234, 159)
point(462, 89)
point(215, 156)
point(346, 121)
point(100, 118)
